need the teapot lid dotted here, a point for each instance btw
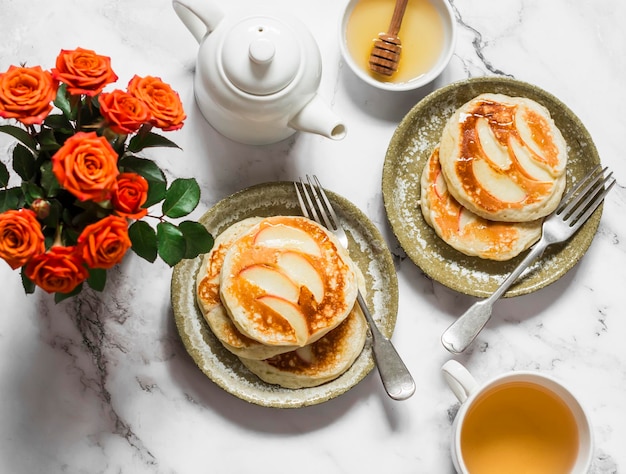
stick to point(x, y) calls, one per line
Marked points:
point(260, 55)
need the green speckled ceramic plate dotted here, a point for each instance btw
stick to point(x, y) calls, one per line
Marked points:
point(368, 250)
point(410, 147)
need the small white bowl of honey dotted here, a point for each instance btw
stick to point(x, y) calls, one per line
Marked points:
point(427, 34)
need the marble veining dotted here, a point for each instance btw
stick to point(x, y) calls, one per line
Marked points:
point(102, 383)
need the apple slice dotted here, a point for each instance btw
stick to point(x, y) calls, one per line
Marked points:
point(441, 187)
point(494, 151)
point(466, 218)
point(291, 313)
point(527, 161)
point(286, 237)
point(302, 273)
point(272, 282)
point(306, 354)
point(498, 185)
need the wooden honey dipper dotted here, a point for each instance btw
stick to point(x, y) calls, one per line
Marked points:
point(387, 47)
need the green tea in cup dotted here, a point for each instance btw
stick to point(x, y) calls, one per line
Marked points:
point(519, 427)
point(517, 423)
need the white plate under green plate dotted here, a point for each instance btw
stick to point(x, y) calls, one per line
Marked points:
point(367, 248)
point(410, 147)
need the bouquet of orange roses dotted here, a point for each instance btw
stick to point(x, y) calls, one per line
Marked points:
point(84, 190)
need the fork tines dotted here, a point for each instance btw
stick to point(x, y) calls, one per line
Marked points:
point(315, 204)
point(594, 186)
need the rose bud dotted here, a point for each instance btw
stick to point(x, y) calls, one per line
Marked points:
point(41, 208)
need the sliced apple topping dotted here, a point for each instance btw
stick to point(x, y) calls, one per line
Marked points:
point(494, 151)
point(497, 184)
point(466, 219)
point(287, 238)
point(536, 133)
point(441, 187)
point(272, 281)
point(302, 273)
point(291, 313)
point(306, 354)
point(525, 159)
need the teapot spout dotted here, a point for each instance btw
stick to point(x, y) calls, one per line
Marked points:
point(317, 117)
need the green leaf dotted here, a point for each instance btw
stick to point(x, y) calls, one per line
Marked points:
point(153, 174)
point(181, 198)
point(171, 243)
point(27, 283)
point(48, 141)
point(198, 240)
point(4, 175)
point(97, 278)
point(24, 162)
point(62, 101)
point(49, 181)
point(58, 297)
point(31, 192)
point(59, 122)
point(144, 240)
point(21, 135)
point(156, 193)
point(146, 168)
point(146, 140)
point(10, 198)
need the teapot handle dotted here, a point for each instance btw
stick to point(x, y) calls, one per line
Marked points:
point(200, 17)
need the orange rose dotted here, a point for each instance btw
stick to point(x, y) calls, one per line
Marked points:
point(130, 195)
point(161, 99)
point(104, 243)
point(26, 94)
point(60, 270)
point(86, 165)
point(84, 71)
point(123, 112)
point(20, 237)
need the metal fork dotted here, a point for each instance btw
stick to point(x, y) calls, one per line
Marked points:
point(575, 208)
point(395, 376)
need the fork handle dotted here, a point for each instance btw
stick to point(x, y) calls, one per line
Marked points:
point(396, 378)
point(464, 330)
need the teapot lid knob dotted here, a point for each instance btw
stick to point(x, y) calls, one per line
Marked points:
point(261, 55)
point(262, 50)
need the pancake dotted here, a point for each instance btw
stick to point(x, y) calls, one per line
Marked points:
point(464, 230)
point(287, 282)
point(319, 362)
point(208, 278)
point(208, 298)
point(233, 340)
point(504, 158)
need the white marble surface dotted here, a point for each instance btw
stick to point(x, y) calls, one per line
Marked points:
point(103, 384)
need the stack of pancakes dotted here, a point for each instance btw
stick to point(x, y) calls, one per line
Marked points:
point(279, 293)
point(498, 170)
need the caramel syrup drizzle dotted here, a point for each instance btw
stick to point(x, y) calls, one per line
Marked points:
point(501, 119)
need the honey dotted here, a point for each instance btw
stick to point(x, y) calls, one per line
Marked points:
point(422, 35)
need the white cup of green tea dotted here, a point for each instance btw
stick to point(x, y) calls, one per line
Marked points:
point(517, 422)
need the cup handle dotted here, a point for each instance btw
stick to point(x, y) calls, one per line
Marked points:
point(459, 379)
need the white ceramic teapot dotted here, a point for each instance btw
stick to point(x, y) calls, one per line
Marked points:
point(257, 74)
